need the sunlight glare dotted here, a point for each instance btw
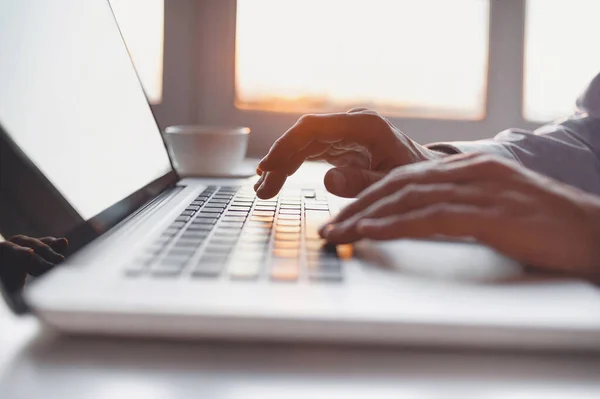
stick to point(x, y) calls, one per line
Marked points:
point(424, 58)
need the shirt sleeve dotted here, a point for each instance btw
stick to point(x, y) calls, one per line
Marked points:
point(567, 150)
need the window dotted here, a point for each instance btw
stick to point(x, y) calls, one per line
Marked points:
point(425, 58)
point(142, 26)
point(562, 55)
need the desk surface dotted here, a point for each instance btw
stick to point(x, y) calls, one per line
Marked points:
point(36, 363)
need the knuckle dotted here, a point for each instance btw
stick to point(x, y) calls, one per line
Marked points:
point(18, 237)
point(495, 164)
point(306, 119)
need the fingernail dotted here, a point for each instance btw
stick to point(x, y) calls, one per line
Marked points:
point(259, 182)
point(326, 230)
point(323, 228)
point(339, 180)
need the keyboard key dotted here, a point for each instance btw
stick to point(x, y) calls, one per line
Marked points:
point(169, 233)
point(309, 193)
point(285, 270)
point(217, 202)
point(316, 207)
point(245, 270)
point(315, 245)
point(265, 208)
point(199, 227)
point(223, 240)
point(192, 208)
point(289, 206)
point(289, 211)
point(325, 275)
point(219, 249)
point(243, 208)
point(225, 224)
point(194, 234)
point(187, 213)
point(267, 202)
point(204, 220)
point(254, 238)
point(287, 244)
point(207, 269)
point(243, 214)
point(183, 219)
point(188, 243)
point(177, 225)
point(209, 214)
point(287, 229)
point(287, 236)
point(261, 218)
point(213, 209)
point(256, 224)
point(251, 249)
point(289, 217)
point(286, 253)
point(197, 203)
point(168, 267)
point(284, 222)
point(181, 252)
point(263, 213)
point(254, 254)
point(154, 249)
point(290, 202)
point(227, 232)
point(231, 218)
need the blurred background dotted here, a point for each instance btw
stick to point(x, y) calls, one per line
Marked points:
point(439, 69)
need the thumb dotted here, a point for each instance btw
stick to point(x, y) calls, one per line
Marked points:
point(349, 182)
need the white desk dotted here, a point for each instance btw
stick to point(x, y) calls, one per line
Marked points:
point(35, 363)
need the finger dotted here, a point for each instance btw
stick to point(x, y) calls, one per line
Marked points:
point(12, 259)
point(313, 151)
point(17, 261)
point(327, 128)
point(351, 159)
point(454, 169)
point(348, 182)
point(260, 181)
point(411, 198)
point(44, 250)
point(38, 265)
point(59, 245)
point(449, 220)
point(272, 184)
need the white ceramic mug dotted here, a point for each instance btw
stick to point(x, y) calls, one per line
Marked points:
point(206, 150)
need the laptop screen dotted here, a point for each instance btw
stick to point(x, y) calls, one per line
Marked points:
point(71, 101)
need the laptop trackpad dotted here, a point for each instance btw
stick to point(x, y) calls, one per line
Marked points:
point(464, 261)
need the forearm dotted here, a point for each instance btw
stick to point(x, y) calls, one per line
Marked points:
point(568, 150)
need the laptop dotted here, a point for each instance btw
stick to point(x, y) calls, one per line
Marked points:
point(156, 255)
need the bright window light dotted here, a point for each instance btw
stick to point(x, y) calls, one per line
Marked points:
point(425, 58)
point(142, 26)
point(562, 55)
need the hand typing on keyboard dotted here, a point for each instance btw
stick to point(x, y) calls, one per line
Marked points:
point(363, 146)
point(226, 232)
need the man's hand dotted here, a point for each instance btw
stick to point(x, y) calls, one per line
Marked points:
point(536, 220)
point(21, 256)
point(363, 146)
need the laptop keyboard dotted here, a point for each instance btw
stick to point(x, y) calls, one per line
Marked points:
point(228, 231)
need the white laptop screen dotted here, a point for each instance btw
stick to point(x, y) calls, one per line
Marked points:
point(71, 100)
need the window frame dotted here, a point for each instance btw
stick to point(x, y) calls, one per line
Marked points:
point(213, 99)
point(178, 102)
